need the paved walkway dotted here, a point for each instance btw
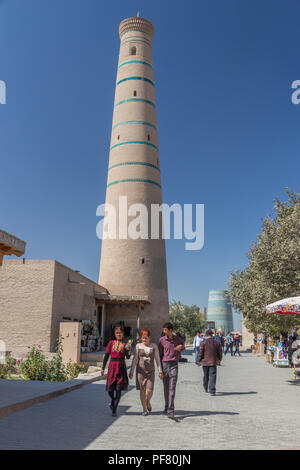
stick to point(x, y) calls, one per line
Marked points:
point(257, 407)
point(15, 395)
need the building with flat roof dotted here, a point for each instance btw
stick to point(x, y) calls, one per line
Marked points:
point(36, 295)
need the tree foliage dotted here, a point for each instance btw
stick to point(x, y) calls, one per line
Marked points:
point(273, 271)
point(186, 319)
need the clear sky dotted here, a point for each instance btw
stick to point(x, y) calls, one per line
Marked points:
point(229, 134)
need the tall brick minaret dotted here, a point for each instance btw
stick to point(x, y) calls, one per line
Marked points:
point(135, 267)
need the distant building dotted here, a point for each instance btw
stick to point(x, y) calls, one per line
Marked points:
point(210, 325)
point(219, 310)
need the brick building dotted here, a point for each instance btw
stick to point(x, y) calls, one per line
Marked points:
point(36, 295)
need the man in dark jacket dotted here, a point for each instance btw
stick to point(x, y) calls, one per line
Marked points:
point(209, 357)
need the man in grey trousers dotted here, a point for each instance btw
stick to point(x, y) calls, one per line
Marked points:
point(170, 347)
point(209, 357)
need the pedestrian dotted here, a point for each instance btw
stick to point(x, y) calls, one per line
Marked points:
point(222, 342)
point(196, 344)
point(236, 341)
point(117, 379)
point(209, 357)
point(217, 337)
point(145, 354)
point(170, 347)
point(228, 344)
point(291, 349)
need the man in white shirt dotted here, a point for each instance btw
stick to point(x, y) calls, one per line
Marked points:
point(196, 344)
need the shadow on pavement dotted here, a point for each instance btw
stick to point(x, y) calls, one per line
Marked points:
point(235, 393)
point(293, 382)
point(71, 421)
point(181, 414)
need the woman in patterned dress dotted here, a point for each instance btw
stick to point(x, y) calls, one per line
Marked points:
point(117, 379)
point(145, 354)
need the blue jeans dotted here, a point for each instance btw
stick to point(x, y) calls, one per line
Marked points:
point(228, 346)
point(196, 353)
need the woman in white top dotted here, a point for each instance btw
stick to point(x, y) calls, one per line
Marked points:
point(145, 354)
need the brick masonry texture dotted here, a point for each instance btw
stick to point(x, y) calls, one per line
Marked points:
point(34, 298)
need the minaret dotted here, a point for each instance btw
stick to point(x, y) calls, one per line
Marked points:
point(135, 267)
point(219, 310)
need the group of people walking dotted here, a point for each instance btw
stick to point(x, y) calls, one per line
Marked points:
point(166, 355)
point(227, 342)
point(232, 341)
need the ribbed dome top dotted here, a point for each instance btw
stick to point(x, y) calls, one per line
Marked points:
point(136, 24)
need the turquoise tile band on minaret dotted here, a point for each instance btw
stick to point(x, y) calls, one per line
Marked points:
point(135, 122)
point(134, 163)
point(135, 78)
point(134, 142)
point(135, 100)
point(134, 180)
point(136, 62)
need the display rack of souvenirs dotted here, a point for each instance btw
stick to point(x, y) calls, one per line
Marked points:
point(90, 338)
point(280, 355)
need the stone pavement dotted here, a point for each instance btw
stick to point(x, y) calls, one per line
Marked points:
point(15, 395)
point(257, 407)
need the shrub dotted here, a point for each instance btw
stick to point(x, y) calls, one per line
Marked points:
point(73, 369)
point(35, 366)
point(56, 369)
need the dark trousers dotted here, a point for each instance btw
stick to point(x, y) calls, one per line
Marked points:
point(209, 378)
point(170, 371)
point(237, 350)
point(228, 346)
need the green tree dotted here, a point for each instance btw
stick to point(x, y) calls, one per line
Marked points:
point(273, 271)
point(186, 319)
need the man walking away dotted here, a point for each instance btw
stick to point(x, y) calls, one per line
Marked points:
point(196, 344)
point(170, 347)
point(209, 357)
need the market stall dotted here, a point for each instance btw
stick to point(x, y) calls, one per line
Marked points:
point(279, 351)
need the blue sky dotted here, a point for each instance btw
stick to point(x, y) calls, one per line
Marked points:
point(229, 134)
